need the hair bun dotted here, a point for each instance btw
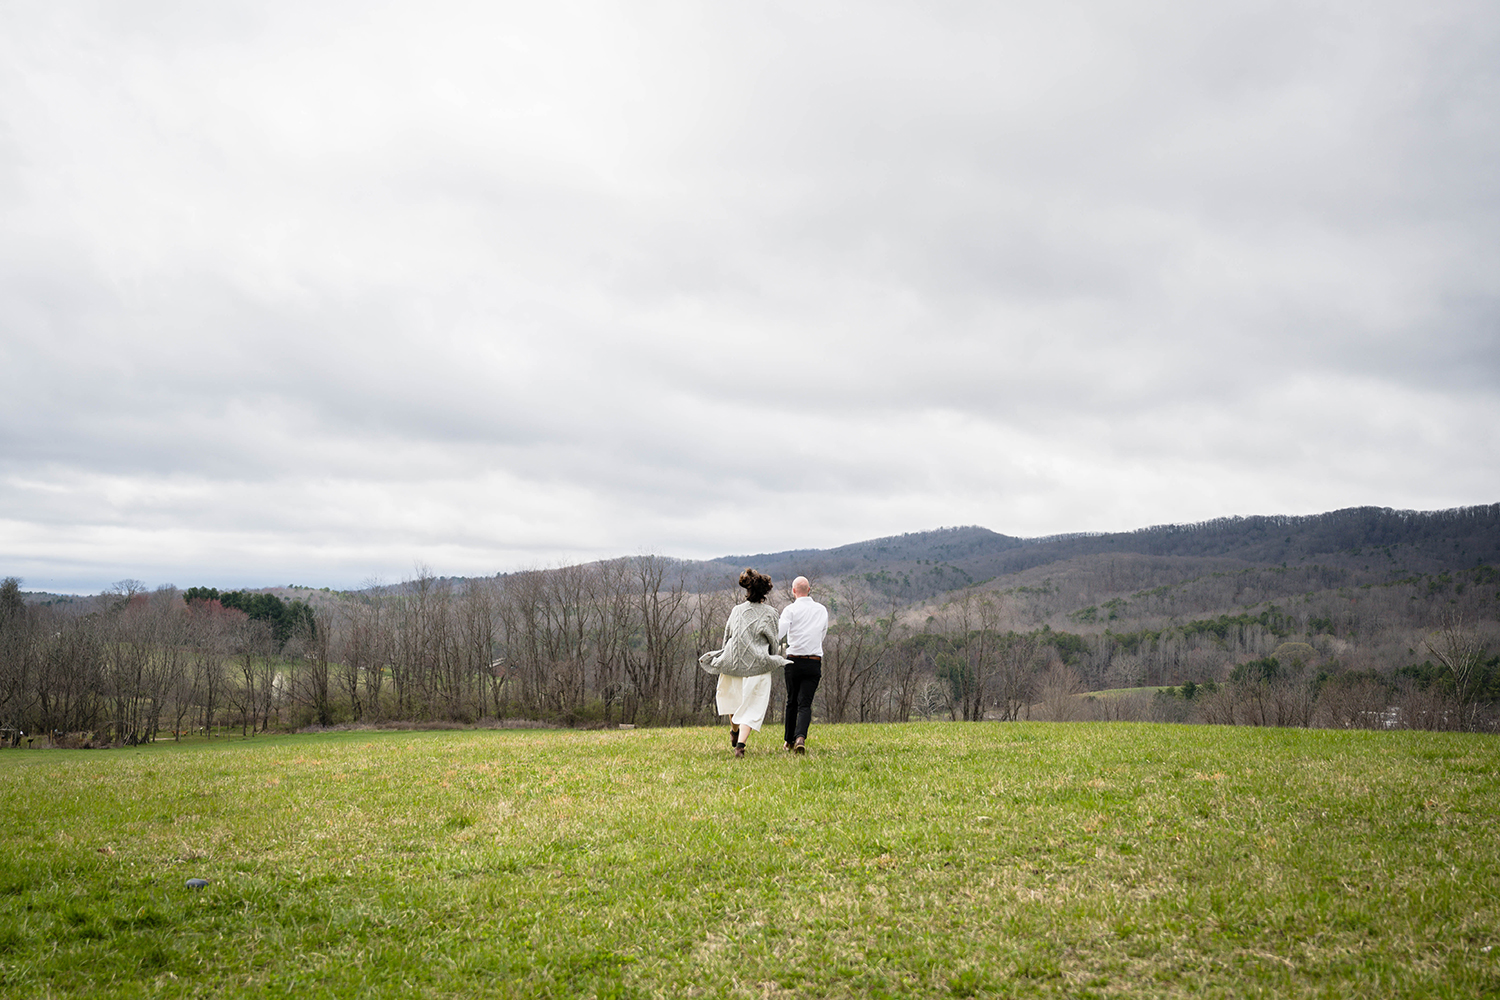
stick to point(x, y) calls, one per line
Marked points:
point(757, 585)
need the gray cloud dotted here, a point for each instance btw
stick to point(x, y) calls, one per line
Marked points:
point(318, 291)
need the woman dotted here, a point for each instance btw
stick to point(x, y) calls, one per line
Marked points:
point(744, 664)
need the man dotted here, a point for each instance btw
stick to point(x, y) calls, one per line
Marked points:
point(803, 625)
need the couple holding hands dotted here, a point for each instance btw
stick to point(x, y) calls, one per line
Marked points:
point(751, 639)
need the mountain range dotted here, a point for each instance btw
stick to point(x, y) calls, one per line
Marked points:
point(1367, 544)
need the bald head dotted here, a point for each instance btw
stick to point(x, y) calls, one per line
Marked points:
point(800, 587)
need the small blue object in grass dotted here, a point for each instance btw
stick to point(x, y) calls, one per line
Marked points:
point(197, 883)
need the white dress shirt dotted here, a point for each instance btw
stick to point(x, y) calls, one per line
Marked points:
point(803, 624)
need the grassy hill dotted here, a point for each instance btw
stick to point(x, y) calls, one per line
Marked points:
point(896, 861)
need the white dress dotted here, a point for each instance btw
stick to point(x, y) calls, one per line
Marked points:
point(744, 699)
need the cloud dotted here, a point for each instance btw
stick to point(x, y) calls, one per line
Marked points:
point(319, 290)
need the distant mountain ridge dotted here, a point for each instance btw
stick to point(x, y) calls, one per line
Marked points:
point(1428, 541)
point(919, 565)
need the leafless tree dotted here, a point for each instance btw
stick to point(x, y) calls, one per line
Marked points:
point(1014, 682)
point(419, 624)
point(905, 682)
point(479, 645)
point(70, 673)
point(1057, 692)
point(1353, 702)
point(1429, 708)
point(566, 628)
point(969, 626)
point(610, 592)
point(250, 694)
point(856, 644)
point(215, 629)
point(710, 615)
point(18, 661)
point(355, 631)
point(168, 667)
point(664, 619)
point(931, 699)
point(521, 628)
point(128, 650)
point(1461, 652)
point(315, 675)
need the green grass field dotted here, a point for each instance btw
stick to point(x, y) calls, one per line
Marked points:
point(933, 860)
point(1111, 693)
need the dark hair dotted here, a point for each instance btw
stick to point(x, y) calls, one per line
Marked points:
point(757, 585)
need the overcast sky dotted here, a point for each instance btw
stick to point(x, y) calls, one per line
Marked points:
point(313, 292)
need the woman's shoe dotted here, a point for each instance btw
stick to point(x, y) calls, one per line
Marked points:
point(739, 749)
point(800, 746)
point(734, 735)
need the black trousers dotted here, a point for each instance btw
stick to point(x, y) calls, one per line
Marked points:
point(802, 677)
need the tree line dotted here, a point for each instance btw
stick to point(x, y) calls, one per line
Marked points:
point(618, 642)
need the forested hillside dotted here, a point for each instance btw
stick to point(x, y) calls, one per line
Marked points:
point(1370, 544)
point(1362, 617)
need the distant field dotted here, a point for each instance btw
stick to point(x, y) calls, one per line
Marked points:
point(1109, 694)
point(931, 860)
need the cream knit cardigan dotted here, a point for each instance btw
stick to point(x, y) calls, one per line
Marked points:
point(749, 638)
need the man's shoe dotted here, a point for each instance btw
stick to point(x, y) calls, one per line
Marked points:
point(800, 747)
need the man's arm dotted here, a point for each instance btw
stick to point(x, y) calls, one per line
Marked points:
point(783, 621)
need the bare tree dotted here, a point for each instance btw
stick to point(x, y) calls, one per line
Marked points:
point(315, 674)
point(479, 644)
point(128, 651)
point(931, 699)
point(365, 650)
point(18, 661)
point(610, 592)
point(1057, 692)
point(565, 633)
point(521, 628)
point(419, 619)
point(1218, 707)
point(1013, 682)
point(1267, 692)
point(856, 644)
point(710, 614)
point(1353, 702)
point(1461, 651)
point(968, 626)
point(253, 654)
point(665, 616)
point(212, 633)
point(905, 684)
point(168, 667)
